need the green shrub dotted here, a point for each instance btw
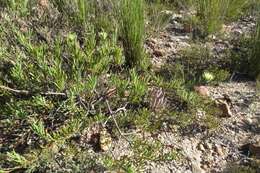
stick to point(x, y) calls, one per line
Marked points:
point(132, 31)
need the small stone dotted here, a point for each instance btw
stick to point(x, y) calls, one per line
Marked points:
point(249, 121)
point(219, 150)
point(196, 168)
point(201, 147)
point(208, 146)
point(254, 149)
point(158, 52)
point(105, 140)
point(153, 41)
point(205, 167)
point(224, 107)
point(126, 93)
point(44, 3)
point(187, 28)
point(202, 90)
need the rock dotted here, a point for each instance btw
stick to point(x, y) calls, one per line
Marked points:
point(201, 147)
point(158, 52)
point(219, 150)
point(202, 90)
point(176, 17)
point(187, 28)
point(249, 121)
point(224, 107)
point(205, 167)
point(208, 146)
point(105, 140)
point(44, 3)
point(196, 168)
point(254, 149)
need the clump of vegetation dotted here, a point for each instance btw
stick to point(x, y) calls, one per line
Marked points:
point(246, 60)
point(212, 14)
point(132, 31)
point(67, 65)
point(199, 62)
point(158, 14)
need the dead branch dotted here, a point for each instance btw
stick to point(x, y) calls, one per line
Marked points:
point(112, 114)
point(21, 92)
point(28, 93)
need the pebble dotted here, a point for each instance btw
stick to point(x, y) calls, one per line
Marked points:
point(219, 150)
point(196, 168)
point(202, 90)
point(201, 147)
point(158, 52)
point(205, 167)
point(208, 146)
point(249, 121)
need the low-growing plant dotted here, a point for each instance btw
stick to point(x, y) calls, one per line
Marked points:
point(138, 87)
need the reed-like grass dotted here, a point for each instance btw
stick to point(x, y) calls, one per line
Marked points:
point(132, 31)
point(212, 14)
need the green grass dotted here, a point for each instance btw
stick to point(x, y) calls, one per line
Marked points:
point(212, 14)
point(158, 14)
point(132, 31)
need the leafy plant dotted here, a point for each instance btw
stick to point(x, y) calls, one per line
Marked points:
point(138, 87)
point(39, 129)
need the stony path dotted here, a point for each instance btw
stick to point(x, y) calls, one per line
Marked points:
point(212, 152)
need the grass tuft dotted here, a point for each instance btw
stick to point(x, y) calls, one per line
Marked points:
point(132, 31)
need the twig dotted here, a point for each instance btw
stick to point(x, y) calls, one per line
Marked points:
point(54, 94)
point(112, 114)
point(27, 93)
point(101, 97)
point(23, 92)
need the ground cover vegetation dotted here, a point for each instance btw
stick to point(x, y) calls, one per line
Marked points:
point(69, 65)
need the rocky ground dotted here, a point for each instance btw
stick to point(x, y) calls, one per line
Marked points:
point(238, 136)
point(236, 141)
